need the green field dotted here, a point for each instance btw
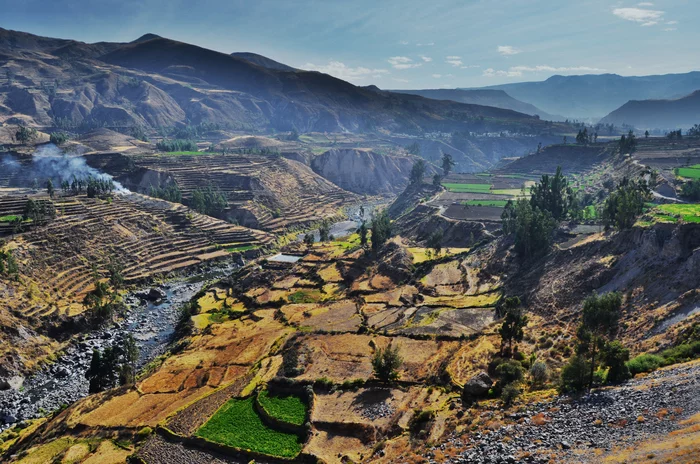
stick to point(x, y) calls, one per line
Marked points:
point(241, 248)
point(688, 213)
point(10, 218)
point(496, 203)
point(692, 172)
point(237, 424)
point(467, 188)
point(290, 409)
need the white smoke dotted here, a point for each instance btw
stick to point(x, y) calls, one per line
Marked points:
point(50, 162)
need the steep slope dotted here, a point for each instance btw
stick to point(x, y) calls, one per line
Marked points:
point(364, 171)
point(486, 97)
point(592, 96)
point(658, 114)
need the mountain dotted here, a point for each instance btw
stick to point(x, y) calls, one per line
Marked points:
point(486, 97)
point(593, 96)
point(658, 114)
point(263, 61)
point(154, 81)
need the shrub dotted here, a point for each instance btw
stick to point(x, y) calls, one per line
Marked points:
point(143, 433)
point(616, 357)
point(644, 363)
point(177, 145)
point(386, 363)
point(510, 393)
point(539, 373)
point(509, 372)
point(681, 353)
point(574, 375)
point(58, 138)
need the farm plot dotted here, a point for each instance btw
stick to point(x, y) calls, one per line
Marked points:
point(237, 424)
point(286, 408)
point(690, 172)
point(687, 213)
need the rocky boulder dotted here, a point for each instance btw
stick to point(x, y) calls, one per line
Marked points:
point(152, 294)
point(477, 386)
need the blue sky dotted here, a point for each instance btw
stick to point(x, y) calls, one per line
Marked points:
point(400, 44)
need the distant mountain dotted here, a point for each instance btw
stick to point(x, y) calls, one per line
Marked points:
point(486, 97)
point(263, 61)
point(658, 114)
point(593, 96)
point(154, 81)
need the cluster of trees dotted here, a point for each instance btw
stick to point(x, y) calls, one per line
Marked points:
point(381, 231)
point(691, 190)
point(324, 231)
point(596, 346)
point(694, 131)
point(93, 186)
point(584, 137)
point(417, 172)
point(104, 300)
point(533, 221)
point(675, 135)
point(113, 365)
point(38, 211)
point(171, 192)
point(386, 363)
point(8, 264)
point(177, 145)
point(58, 138)
point(625, 203)
point(628, 144)
point(25, 135)
point(209, 200)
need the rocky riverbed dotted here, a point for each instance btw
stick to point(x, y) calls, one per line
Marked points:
point(573, 429)
point(152, 316)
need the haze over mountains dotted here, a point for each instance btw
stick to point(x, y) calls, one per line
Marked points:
point(594, 96)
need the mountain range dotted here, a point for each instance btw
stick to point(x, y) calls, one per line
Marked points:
point(594, 96)
point(658, 114)
point(157, 82)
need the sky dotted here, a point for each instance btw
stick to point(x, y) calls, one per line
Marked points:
point(405, 44)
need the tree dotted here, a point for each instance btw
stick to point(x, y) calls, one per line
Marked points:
point(363, 234)
point(574, 375)
point(25, 135)
point(116, 278)
point(386, 363)
point(93, 372)
point(691, 190)
point(309, 239)
point(628, 144)
point(513, 324)
point(58, 138)
point(447, 163)
point(531, 227)
point(49, 188)
point(435, 241)
point(599, 322)
point(324, 230)
point(623, 205)
point(615, 357)
point(381, 231)
point(694, 131)
point(417, 172)
point(130, 353)
point(646, 134)
point(413, 148)
point(539, 373)
point(437, 181)
point(552, 194)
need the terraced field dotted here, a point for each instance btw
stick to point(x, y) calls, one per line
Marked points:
point(147, 238)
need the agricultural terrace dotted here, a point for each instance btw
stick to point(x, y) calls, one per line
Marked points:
point(690, 172)
point(237, 424)
point(286, 408)
point(671, 214)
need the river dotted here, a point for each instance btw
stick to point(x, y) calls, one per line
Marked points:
point(63, 382)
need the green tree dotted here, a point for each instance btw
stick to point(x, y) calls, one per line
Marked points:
point(130, 350)
point(386, 363)
point(512, 327)
point(49, 188)
point(93, 372)
point(25, 135)
point(447, 163)
point(552, 194)
point(532, 228)
point(435, 241)
point(626, 203)
point(599, 322)
point(363, 234)
point(417, 172)
point(324, 230)
point(437, 181)
point(574, 374)
point(309, 239)
point(615, 357)
point(381, 231)
point(58, 138)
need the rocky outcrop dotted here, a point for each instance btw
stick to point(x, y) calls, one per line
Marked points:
point(364, 171)
point(425, 220)
point(477, 386)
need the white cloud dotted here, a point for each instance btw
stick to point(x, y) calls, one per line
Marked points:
point(671, 22)
point(437, 76)
point(639, 15)
point(342, 71)
point(507, 50)
point(398, 79)
point(518, 71)
point(403, 42)
point(455, 61)
point(403, 62)
point(645, 4)
point(470, 66)
point(427, 59)
point(429, 44)
point(670, 29)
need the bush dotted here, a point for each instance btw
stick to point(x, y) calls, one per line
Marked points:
point(681, 353)
point(509, 372)
point(177, 145)
point(616, 357)
point(386, 363)
point(58, 138)
point(575, 375)
point(143, 433)
point(539, 373)
point(644, 363)
point(510, 393)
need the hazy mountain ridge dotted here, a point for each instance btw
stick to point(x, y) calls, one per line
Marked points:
point(487, 97)
point(658, 114)
point(593, 96)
